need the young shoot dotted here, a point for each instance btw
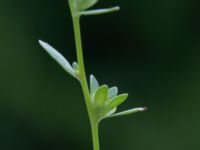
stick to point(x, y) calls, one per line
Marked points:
point(101, 101)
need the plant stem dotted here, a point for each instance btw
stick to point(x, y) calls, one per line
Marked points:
point(82, 74)
point(83, 81)
point(95, 136)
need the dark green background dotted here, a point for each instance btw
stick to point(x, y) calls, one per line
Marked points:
point(151, 49)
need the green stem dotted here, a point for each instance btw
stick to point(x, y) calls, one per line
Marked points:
point(82, 74)
point(83, 80)
point(95, 136)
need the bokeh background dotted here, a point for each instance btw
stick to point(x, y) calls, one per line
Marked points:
point(151, 49)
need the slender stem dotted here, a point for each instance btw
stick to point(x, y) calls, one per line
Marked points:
point(82, 74)
point(83, 80)
point(95, 136)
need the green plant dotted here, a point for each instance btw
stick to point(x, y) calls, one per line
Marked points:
point(101, 101)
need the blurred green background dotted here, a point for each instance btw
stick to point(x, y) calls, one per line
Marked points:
point(151, 49)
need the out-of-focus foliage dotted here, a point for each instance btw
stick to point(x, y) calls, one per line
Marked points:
point(157, 50)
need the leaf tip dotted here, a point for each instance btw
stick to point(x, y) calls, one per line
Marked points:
point(104, 87)
point(144, 108)
point(92, 77)
point(117, 8)
point(42, 43)
point(125, 95)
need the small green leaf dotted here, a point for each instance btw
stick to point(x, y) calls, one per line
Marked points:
point(75, 66)
point(94, 85)
point(116, 102)
point(100, 11)
point(113, 92)
point(101, 96)
point(83, 4)
point(58, 58)
point(111, 112)
point(128, 112)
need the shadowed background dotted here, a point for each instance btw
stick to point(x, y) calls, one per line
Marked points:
point(151, 49)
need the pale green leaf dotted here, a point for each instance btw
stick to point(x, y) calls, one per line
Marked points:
point(100, 11)
point(75, 66)
point(111, 112)
point(116, 102)
point(58, 58)
point(101, 96)
point(128, 112)
point(94, 85)
point(83, 4)
point(113, 92)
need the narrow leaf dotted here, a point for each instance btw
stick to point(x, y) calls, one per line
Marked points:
point(116, 102)
point(100, 11)
point(128, 112)
point(101, 96)
point(58, 58)
point(113, 92)
point(94, 85)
